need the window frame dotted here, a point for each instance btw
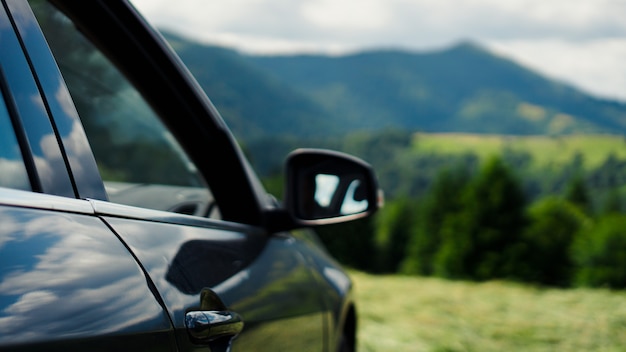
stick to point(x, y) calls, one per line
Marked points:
point(143, 56)
point(46, 167)
point(18, 133)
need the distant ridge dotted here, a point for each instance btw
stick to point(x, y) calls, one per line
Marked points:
point(464, 88)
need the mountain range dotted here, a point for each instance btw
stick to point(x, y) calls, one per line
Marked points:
point(464, 88)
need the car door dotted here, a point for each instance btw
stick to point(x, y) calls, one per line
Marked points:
point(199, 266)
point(66, 280)
point(178, 192)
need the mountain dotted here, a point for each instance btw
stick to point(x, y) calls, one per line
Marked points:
point(252, 101)
point(464, 88)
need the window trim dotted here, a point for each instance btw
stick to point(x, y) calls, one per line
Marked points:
point(20, 135)
point(142, 54)
point(62, 114)
point(31, 124)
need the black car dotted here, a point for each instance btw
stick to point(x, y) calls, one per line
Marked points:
point(129, 217)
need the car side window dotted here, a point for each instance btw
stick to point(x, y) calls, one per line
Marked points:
point(13, 172)
point(140, 161)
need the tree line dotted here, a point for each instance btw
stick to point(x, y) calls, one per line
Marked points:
point(462, 217)
point(483, 225)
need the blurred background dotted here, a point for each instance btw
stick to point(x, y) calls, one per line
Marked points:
point(497, 130)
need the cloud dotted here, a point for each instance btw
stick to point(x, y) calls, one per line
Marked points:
point(547, 35)
point(392, 20)
point(68, 279)
point(352, 15)
point(595, 66)
point(13, 175)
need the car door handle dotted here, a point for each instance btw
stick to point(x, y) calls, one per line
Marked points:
point(205, 326)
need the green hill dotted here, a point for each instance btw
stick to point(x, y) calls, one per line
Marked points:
point(461, 89)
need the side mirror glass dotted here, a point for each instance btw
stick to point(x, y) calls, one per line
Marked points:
point(326, 187)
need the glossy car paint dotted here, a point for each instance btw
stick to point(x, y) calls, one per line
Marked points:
point(80, 274)
point(67, 282)
point(183, 258)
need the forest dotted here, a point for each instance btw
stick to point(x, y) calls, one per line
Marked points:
point(482, 213)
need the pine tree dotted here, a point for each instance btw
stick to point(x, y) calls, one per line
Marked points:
point(441, 203)
point(577, 194)
point(482, 242)
point(554, 224)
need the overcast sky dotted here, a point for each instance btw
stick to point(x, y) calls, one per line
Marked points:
point(581, 42)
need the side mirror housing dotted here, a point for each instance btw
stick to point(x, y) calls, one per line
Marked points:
point(327, 187)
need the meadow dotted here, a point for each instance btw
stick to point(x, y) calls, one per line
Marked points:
point(408, 313)
point(545, 151)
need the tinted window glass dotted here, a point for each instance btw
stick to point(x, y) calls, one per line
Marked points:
point(12, 169)
point(140, 161)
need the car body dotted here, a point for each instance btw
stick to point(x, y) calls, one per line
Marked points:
point(129, 216)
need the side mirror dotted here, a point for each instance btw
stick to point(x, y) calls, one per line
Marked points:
point(327, 187)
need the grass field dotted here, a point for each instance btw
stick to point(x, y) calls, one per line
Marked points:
point(545, 150)
point(402, 313)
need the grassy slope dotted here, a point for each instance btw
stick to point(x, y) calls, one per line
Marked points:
point(545, 150)
point(400, 313)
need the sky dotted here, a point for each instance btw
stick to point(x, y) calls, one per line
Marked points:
point(578, 42)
